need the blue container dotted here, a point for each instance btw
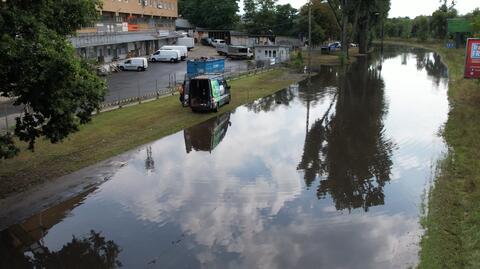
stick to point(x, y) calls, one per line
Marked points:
point(201, 67)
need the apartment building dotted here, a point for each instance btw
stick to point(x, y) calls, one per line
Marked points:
point(128, 28)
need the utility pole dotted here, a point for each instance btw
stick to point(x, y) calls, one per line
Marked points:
point(309, 36)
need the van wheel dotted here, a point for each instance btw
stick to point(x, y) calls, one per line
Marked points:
point(139, 69)
point(122, 68)
point(172, 60)
point(154, 60)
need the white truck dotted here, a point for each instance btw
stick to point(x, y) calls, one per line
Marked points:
point(188, 42)
point(239, 52)
point(235, 52)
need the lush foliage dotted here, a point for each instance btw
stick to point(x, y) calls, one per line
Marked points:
point(265, 16)
point(212, 14)
point(39, 68)
point(324, 24)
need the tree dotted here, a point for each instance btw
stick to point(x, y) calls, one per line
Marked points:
point(421, 28)
point(324, 25)
point(438, 22)
point(475, 18)
point(41, 71)
point(285, 16)
point(372, 13)
point(93, 251)
point(211, 14)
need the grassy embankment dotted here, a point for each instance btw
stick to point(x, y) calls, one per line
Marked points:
point(114, 132)
point(452, 223)
point(334, 58)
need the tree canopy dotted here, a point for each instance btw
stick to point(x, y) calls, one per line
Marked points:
point(57, 90)
point(212, 14)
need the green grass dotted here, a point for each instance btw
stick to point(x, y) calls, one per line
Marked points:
point(115, 132)
point(452, 222)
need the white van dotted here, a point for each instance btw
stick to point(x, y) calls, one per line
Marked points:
point(137, 64)
point(183, 50)
point(162, 55)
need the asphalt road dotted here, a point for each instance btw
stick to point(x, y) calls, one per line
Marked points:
point(129, 84)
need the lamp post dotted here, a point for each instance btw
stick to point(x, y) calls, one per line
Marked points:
point(378, 15)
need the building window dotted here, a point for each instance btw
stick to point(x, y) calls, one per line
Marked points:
point(266, 53)
point(270, 54)
point(274, 54)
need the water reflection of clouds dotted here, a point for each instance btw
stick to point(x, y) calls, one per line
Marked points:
point(245, 205)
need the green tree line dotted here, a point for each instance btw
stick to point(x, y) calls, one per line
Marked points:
point(433, 26)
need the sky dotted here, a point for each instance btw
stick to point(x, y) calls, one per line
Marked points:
point(410, 8)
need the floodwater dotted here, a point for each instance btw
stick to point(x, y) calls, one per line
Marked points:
point(330, 173)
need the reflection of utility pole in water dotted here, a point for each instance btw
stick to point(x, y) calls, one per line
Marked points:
point(149, 162)
point(309, 38)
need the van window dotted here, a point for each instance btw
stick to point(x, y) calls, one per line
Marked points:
point(128, 62)
point(157, 53)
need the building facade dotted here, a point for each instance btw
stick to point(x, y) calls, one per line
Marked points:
point(128, 28)
point(272, 53)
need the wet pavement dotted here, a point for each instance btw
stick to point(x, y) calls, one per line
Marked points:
point(330, 173)
point(159, 76)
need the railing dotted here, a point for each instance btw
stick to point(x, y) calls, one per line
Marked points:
point(172, 89)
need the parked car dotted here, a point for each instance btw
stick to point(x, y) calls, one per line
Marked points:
point(217, 42)
point(172, 56)
point(353, 45)
point(208, 92)
point(136, 64)
point(334, 46)
point(182, 49)
point(206, 41)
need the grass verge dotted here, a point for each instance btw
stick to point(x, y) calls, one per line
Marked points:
point(115, 132)
point(334, 58)
point(452, 222)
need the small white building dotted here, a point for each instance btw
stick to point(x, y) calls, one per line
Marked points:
point(269, 53)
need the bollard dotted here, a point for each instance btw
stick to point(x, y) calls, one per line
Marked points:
point(138, 92)
point(6, 117)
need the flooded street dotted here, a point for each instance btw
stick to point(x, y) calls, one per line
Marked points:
point(330, 173)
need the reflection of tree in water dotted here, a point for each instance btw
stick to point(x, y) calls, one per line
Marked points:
point(348, 150)
point(272, 102)
point(93, 251)
point(432, 63)
point(149, 162)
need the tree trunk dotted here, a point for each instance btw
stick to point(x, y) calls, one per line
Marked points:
point(363, 35)
point(344, 33)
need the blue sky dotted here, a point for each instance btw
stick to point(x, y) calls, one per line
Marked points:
point(411, 8)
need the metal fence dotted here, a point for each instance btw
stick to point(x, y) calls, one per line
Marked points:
point(173, 87)
point(8, 112)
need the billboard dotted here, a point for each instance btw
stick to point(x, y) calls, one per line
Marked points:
point(459, 25)
point(472, 59)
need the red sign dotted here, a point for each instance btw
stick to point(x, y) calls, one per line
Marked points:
point(472, 63)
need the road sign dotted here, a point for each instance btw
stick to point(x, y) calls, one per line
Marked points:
point(472, 59)
point(459, 25)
